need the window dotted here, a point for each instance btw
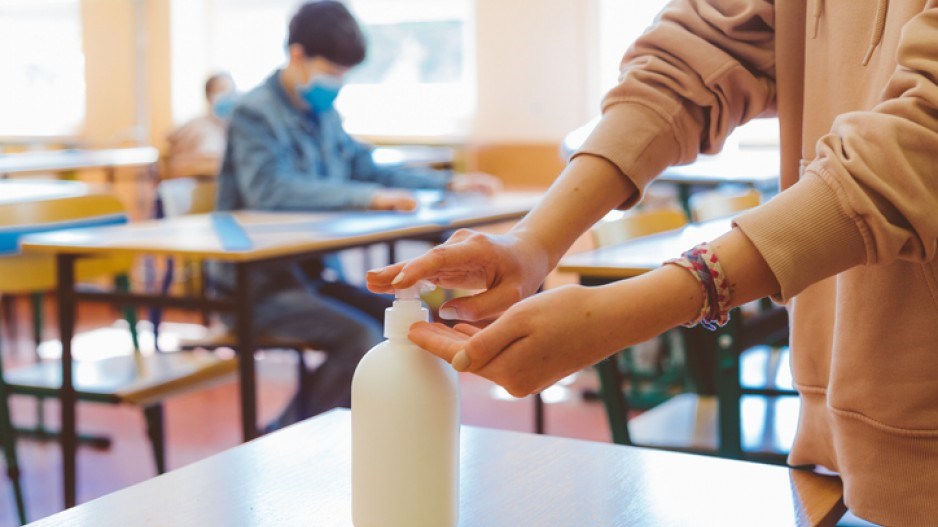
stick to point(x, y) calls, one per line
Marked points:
point(417, 79)
point(43, 88)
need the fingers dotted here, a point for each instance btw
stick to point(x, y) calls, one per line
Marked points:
point(467, 329)
point(439, 259)
point(442, 341)
point(485, 305)
point(379, 280)
point(484, 345)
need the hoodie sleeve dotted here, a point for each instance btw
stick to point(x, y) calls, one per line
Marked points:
point(871, 194)
point(705, 67)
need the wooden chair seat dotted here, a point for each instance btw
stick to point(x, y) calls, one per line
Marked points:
point(137, 379)
point(230, 340)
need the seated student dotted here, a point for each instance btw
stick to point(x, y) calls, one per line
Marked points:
point(287, 150)
point(197, 147)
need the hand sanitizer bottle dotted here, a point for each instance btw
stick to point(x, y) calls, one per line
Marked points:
point(405, 429)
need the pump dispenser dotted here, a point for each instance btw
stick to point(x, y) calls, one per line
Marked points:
point(405, 429)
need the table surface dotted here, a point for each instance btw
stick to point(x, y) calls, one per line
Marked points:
point(301, 475)
point(413, 155)
point(273, 234)
point(644, 254)
point(12, 190)
point(750, 166)
point(60, 160)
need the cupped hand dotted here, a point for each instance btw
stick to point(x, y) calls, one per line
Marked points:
point(393, 199)
point(540, 340)
point(506, 267)
point(475, 182)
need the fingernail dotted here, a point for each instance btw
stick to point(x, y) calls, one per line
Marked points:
point(461, 361)
point(449, 313)
point(398, 279)
point(378, 270)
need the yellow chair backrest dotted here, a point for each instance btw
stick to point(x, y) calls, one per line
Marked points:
point(720, 203)
point(187, 196)
point(634, 224)
point(25, 273)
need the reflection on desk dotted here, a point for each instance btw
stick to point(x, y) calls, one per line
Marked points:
point(301, 475)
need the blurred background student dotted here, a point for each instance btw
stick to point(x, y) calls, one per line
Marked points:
point(196, 148)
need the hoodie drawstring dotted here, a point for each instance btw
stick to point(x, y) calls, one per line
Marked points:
point(877, 37)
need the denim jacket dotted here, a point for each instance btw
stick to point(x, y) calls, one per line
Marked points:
point(279, 157)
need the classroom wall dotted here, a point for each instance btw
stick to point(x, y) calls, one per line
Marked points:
point(127, 71)
point(535, 68)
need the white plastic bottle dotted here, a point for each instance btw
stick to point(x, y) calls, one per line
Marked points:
point(405, 429)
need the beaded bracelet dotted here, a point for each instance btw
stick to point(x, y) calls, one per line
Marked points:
point(703, 264)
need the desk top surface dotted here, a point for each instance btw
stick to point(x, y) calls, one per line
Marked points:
point(271, 234)
point(13, 190)
point(59, 160)
point(751, 166)
point(644, 254)
point(302, 476)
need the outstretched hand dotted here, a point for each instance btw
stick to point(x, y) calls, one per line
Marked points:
point(505, 267)
point(538, 341)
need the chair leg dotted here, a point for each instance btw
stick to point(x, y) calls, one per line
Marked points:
point(8, 307)
point(8, 444)
point(617, 405)
point(154, 416)
point(156, 313)
point(122, 284)
point(301, 380)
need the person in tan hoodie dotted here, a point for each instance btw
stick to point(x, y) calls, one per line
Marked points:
point(848, 245)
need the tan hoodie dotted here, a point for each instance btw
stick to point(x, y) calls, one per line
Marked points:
point(852, 237)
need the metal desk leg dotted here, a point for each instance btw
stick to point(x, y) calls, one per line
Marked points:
point(538, 414)
point(246, 344)
point(65, 268)
point(728, 393)
point(617, 405)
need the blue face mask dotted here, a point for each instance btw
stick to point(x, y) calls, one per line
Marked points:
point(223, 105)
point(320, 93)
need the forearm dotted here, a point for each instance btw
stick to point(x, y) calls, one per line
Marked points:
point(643, 307)
point(585, 191)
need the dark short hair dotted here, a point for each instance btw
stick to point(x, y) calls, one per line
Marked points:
point(325, 28)
point(218, 77)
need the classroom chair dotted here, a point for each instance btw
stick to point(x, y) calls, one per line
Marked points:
point(138, 379)
point(722, 202)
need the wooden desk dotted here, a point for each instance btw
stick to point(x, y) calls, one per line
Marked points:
point(645, 254)
point(301, 475)
point(69, 160)
point(273, 237)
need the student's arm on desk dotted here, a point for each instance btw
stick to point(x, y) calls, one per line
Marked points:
point(364, 168)
point(269, 179)
point(519, 349)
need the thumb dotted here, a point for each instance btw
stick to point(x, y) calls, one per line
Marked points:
point(485, 305)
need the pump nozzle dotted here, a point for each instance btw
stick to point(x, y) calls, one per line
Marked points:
point(413, 292)
point(406, 310)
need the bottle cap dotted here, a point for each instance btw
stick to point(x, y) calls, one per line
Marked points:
point(406, 310)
